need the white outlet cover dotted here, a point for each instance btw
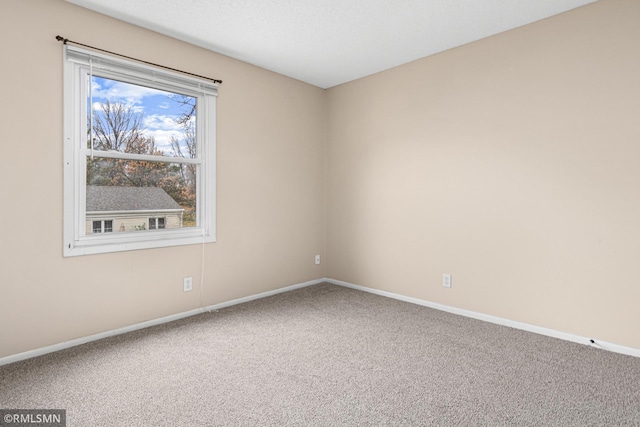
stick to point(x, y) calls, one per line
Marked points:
point(446, 280)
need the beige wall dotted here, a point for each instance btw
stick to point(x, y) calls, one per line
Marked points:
point(269, 183)
point(512, 163)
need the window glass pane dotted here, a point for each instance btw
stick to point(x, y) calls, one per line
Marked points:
point(161, 186)
point(135, 119)
point(135, 192)
point(108, 226)
point(97, 226)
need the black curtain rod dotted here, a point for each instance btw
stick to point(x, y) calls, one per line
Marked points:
point(65, 41)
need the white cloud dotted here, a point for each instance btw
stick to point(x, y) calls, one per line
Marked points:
point(162, 128)
point(157, 121)
point(162, 138)
point(133, 94)
point(137, 109)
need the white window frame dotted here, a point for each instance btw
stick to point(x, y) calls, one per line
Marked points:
point(78, 63)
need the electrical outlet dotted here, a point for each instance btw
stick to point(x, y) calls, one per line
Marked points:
point(187, 282)
point(446, 280)
point(317, 259)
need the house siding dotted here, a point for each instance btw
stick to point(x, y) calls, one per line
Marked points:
point(127, 222)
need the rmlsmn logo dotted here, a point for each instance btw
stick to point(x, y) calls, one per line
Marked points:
point(33, 417)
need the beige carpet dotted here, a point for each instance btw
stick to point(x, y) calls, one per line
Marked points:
point(328, 356)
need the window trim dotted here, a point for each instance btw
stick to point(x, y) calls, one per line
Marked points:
point(76, 240)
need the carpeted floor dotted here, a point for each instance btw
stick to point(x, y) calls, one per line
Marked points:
point(329, 356)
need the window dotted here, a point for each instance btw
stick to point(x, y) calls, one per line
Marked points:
point(105, 226)
point(156, 223)
point(139, 149)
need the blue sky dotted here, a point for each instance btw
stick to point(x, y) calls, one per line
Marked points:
point(158, 110)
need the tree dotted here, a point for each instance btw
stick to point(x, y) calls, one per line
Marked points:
point(186, 147)
point(116, 127)
point(189, 108)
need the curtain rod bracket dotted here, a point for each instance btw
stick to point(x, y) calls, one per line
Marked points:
point(65, 41)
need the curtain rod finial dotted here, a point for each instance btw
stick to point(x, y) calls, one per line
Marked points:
point(62, 39)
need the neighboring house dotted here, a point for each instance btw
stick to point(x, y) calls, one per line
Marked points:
point(117, 209)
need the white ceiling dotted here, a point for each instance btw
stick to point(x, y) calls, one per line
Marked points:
point(329, 42)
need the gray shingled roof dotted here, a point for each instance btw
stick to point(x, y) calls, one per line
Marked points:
point(104, 198)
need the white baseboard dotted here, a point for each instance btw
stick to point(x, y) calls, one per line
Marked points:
point(83, 340)
point(467, 313)
point(616, 348)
